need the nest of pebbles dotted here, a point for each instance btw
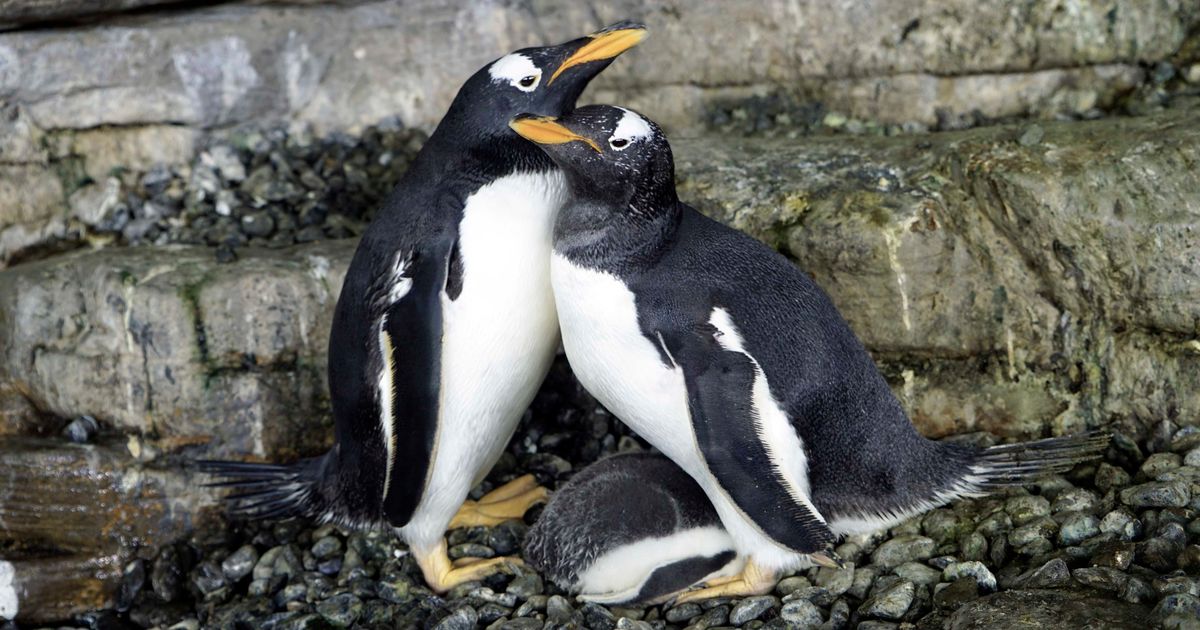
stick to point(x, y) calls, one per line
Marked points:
point(1116, 538)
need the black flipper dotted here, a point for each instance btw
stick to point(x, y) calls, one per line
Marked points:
point(720, 386)
point(269, 491)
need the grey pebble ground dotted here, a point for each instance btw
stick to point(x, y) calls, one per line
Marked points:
point(1114, 540)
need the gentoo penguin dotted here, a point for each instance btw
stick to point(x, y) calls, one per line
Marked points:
point(445, 325)
point(631, 528)
point(732, 362)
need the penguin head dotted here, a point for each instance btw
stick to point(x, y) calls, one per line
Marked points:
point(545, 81)
point(611, 155)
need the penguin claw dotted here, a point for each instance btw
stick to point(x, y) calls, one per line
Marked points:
point(508, 502)
point(753, 580)
point(827, 559)
point(441, 574)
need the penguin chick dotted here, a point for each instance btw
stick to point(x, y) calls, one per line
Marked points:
point(732, 362)
point(630, 528)
point(445, 325)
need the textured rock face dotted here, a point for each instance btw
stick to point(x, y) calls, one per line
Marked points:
point(1002, 287)
point(342, 65)
point(168, 344)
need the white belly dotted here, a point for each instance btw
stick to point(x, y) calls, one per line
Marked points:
point(623, 370)
point(499, 338)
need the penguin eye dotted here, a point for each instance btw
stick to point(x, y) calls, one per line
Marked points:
point(529, 83)
point(618, 143)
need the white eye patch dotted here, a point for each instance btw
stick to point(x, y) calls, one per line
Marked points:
point(630, 129)
point(516, 70)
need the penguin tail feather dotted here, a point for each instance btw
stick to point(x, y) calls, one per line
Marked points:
point(1018, 464)
point(267, 491)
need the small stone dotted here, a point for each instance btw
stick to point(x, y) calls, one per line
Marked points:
point(974, 569)
point(863, 578)
point(1136, 591)
point(683, 612)
point(995, 524)
point(801, 613)
point(1157, 494)
point(974, 546)
point(1075, 500)
point(226, 254)
point(834, 120)
point(397, 592)
point(716, 616)
point(1163, 550)
point(873, 624)
point(525, 585)
point(1033, 135)
point(625, 623)
point(1103, 578)
point(943, 525)
point(490, 613)
point(132, 580)
point(598, 617)
point(1121, 525)
point(814, 594)
point(1053, 574)
point(1192, 458)
point(558, 609)
point(1026, 508)
point(789, 585)
point(1076, 528)
point(471, 550)
point(240, 563)
point(1159, 463)
point(751, 608)
point(1176, 584)
point(1173, 610)
point(81, 430)
point(1189, 560)
point(836, 581)
point(919, 574)
point(166, 575)
point(258, 224)
point(532, 606)
point(326, 548)
point(342, 610)
point(891, 602)
point(1116, 555)
point(901, 549)
point(1109, 477)
point(463, 618)
point(956, 593)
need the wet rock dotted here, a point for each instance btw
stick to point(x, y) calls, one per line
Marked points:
point(789, 585)
point(801, 613)
point(952, 596)
point(1076, 500)
point(1109, 477)
point(167, 574)
point(1052, 609)
point(891, 602)
point(901, 549)
point(836, 581)
point(1103, 578)
point(1177, 611)
point(1053, 574)
point(864, 577)
point(1120, 524)
point(210, 581)
point(1157, 494)
point(1026, 508)
point(463, 618)
point(1158, 463)
point(751, 608)
point(132, 580)
point(342, 610)
point(973, 569)
point(326, 548)
point(918, 573)
point(240, 563)
point(683, 612)
point(81, 430)
point(1116, 555)
point(1077, 527)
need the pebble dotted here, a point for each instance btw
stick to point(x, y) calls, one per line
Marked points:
point(1077, 527)
point(525, 585)
point(1032, 136)
point(326, 548)
point(240, 563)
point(836, 581)
point(81, 430)
point(863, 578)
point(801, 613)
point(891, 602)
point(918, 573)
point(463, 618)
point(751, 608)
point(1103, 578)
point(1157, 494)
point(901, 549)
point(955, 594)
point(973, 569)
point(1117, 555)
point(683, 612)
point(1174, 609)
point(132, 580)
point(1192, 458)
point(1120, 524)
point(943, 525)
point(1053, 574)
point(1026, 508)
point(1159, 463)
point(1109, 477)
point(341, 610)
point(1076, 500)
point(789, 585)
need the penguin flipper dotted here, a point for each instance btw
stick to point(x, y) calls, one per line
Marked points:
point(729, 432)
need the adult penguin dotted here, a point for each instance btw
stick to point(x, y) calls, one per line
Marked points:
point(445, 326)
point(731, 361)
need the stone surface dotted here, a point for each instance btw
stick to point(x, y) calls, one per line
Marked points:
point(942, 252)
point(130, 87)
point(171, 345)
point(72, 516)
point(1046, 609)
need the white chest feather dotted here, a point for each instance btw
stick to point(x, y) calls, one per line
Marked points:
point(499, 337)
point(617, 363)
